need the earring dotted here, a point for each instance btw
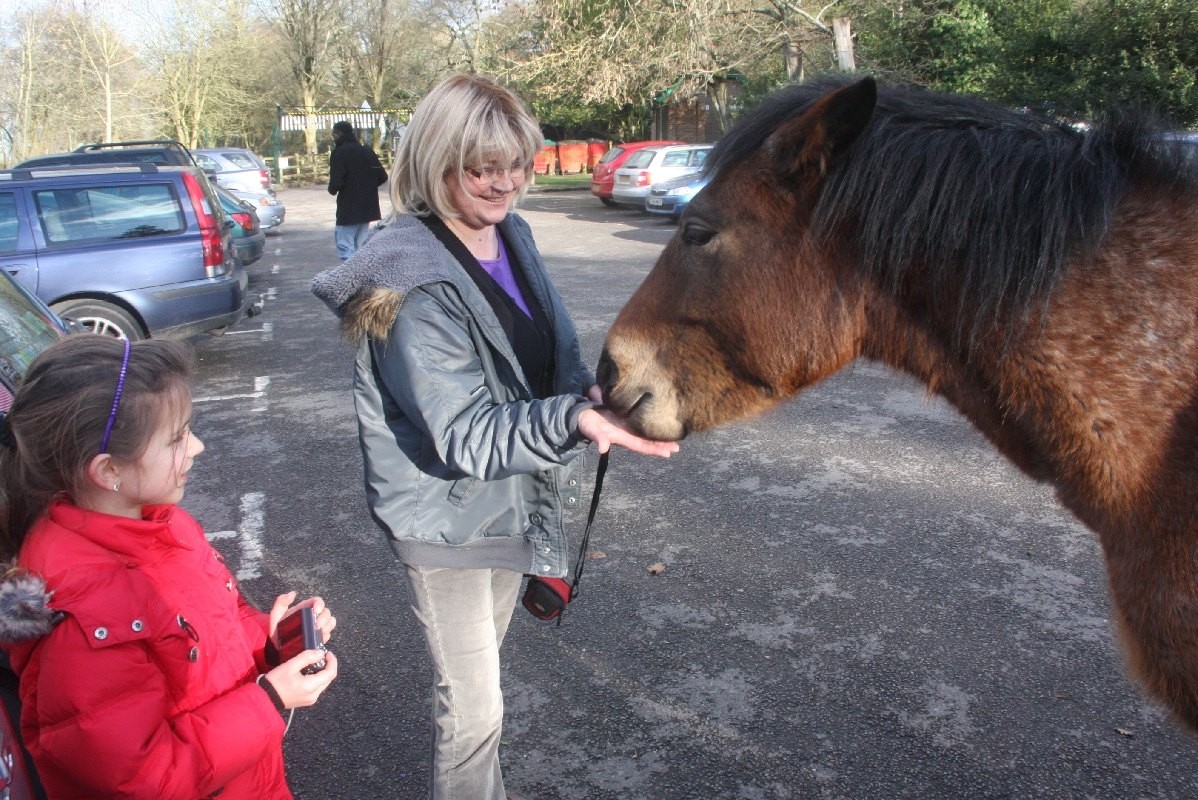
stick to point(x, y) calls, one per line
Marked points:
point(116, 487)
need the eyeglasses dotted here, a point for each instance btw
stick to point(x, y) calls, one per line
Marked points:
point(493, 174)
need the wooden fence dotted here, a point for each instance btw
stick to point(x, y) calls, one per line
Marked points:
point(309, 170)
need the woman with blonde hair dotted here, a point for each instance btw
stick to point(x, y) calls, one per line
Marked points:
point(472, 402)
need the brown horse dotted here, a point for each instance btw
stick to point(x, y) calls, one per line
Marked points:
point(1042, 279)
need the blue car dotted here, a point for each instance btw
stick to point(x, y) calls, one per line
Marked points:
point(131, 251)
point(671, 197)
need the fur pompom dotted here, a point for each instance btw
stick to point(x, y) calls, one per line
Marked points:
point(25, 612)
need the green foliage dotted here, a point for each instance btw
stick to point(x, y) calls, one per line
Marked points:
point(1121, 53)
point(1077, 58)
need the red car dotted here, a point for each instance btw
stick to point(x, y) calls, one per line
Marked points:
point(604, 175)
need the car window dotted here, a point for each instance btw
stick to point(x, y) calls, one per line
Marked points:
point(698, 157)
point(240, 160)
point(108, 212)
point(207, 162)
point(640, 159)
point(26, 328)
point(8, 222)
point(676, 158)
point(611, 155)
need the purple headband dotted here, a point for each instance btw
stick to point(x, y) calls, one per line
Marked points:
point(116, 400)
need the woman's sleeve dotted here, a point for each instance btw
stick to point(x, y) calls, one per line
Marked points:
point(431, 368)
point(102, 719)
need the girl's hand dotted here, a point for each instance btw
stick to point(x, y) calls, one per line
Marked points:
point(296, 689)
point(277, 612)
point(605, 429)
point(325, 621)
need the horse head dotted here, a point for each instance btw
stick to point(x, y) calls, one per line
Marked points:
point(743, 307)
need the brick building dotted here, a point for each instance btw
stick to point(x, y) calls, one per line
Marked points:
point(691, 118)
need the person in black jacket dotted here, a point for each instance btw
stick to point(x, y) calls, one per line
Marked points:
point(355, 176)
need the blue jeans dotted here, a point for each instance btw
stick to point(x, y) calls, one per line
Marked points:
point(465, 614)
point(349, 238)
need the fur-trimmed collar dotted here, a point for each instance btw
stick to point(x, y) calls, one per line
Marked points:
point(365, 292)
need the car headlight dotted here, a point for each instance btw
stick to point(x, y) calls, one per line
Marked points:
point(681, 191)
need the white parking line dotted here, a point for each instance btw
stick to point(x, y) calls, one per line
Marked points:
point(261, 384)
point(266, 328)
point(248, 534)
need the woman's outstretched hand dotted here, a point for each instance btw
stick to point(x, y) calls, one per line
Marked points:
point(606, 429)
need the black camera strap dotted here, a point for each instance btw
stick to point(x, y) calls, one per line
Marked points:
point(600, 471)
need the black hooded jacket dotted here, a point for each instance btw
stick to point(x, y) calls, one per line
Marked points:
point(355, 176)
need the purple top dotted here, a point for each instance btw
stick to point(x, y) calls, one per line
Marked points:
point(501, 270)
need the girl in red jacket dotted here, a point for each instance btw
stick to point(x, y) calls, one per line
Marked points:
point(143, 672)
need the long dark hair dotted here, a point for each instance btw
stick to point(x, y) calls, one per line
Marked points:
point(58, 419)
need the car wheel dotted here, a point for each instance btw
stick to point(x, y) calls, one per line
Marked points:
point(607, 201)
point(100, 317)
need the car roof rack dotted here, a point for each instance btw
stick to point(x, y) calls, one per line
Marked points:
point(171, 144)
point(83, 148)
point(27, 173)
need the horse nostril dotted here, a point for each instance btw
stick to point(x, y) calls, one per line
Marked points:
point(607, 372)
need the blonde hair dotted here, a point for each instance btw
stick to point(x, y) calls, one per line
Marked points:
point(465, 120)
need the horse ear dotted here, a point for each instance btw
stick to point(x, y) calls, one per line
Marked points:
point(825, 129)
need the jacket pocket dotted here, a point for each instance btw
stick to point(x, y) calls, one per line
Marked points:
point(461, 489)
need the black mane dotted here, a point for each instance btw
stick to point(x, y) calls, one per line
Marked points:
point(993, 201)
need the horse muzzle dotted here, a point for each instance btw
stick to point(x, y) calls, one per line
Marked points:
point(640, 395)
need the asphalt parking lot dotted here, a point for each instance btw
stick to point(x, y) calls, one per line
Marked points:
point(860, 598)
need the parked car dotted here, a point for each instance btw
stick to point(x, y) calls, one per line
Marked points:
point(18, 777)
point(603, 176)
point(131, 251)
point(671, 197)
point(245, 174)
point(249, 240)
point(652, 165)
point(27, 327)
point(270, 209)
point(154, 151)
point(1186, 141)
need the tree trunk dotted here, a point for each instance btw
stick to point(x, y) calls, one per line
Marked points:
point(792, 57)
point(843, 39)
point(717, 93)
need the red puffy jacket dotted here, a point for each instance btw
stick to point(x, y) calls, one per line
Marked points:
point(139, 680)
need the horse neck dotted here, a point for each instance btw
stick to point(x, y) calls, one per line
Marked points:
point(1111, 428)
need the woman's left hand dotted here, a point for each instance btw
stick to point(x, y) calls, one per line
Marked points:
point(606, 429)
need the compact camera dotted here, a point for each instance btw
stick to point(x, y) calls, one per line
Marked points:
point(546, 598)
point(297, 632)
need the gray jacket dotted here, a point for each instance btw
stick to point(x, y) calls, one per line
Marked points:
point(464, 466)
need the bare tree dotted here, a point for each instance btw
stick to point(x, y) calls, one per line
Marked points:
point(628, 52)
point(395, 49)
point(70, 76)
point(198, 51)
point(102, 55)
point(310, 30)
point(798, 28)
point(464, 23)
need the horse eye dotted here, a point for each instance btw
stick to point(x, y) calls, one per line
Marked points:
point(697, 234)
